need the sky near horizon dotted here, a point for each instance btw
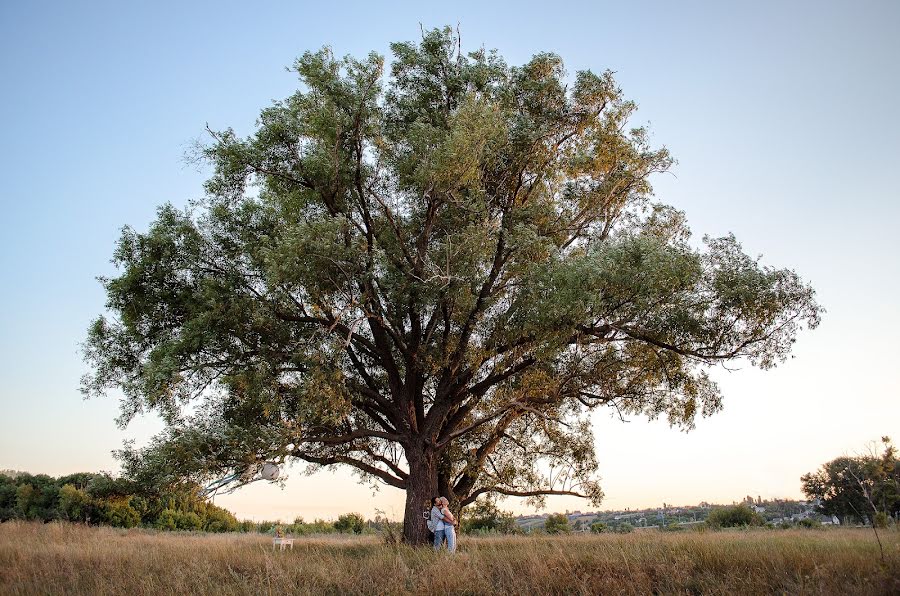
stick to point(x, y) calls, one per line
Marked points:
point(782, 116)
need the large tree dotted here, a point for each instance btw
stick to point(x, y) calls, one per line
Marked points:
point(432, 278)
point(857, 487)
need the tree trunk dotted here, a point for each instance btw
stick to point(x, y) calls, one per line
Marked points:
point(421, 487)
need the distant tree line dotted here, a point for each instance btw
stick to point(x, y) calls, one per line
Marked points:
point(102, 499)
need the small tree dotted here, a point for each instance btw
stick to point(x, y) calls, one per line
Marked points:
point(810, 524)
point(26, 497)
point(118, 512)
point(557, 523)
point(8, 498)
point(598, 527)
point(188, 520)
point(217, 519)
point(485, 516)
point(73, 503)
point(167, 520)
point(350, 523)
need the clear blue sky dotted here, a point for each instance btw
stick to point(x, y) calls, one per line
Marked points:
point(783, 116)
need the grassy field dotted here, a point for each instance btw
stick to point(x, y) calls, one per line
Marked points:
point(71, 559)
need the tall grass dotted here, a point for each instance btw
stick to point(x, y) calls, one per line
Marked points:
point(70, 559)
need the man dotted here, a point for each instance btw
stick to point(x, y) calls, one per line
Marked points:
point(437, 521)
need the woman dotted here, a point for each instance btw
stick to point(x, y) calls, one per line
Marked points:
point(449, 525)
point(437, 520)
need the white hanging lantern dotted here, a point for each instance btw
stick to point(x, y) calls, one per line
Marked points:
point(269, 471)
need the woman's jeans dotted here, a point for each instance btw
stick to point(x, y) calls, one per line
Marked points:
point(439, 539)
point(450, 533)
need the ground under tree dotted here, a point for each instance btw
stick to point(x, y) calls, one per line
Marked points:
point(432, 277)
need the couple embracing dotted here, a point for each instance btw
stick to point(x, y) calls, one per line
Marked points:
point(443, 524)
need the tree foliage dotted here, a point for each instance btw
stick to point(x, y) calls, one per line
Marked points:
point(557, 523)
point(350, 523)
point(734, 516)
point(431, 278)
point(484, 516)
point(857, 487)
point(104, 500)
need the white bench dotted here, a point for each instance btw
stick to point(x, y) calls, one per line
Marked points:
point(282, 542)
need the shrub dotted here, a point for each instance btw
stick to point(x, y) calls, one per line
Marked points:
point(220, 520)
point(350, 523)
point(189, 521)
point(7, 497)
point(599, 527)
point(809, 523)
point(320, 526)
point(557, 523)
point(881, 520)
point(73, 503)
point(734, 517)
point(167, 520)
point(25, 499)
point(484, 517)
point(624, 528)
point(120, 514)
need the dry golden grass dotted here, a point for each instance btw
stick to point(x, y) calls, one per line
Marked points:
point(71, 559)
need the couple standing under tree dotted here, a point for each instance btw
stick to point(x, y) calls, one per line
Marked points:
point(442, 523)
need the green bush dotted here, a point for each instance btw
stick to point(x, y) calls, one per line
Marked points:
point(350, 523)
point(25, 500)
point(557, 523)
point(120, 514)
point(599, 527)
point(219, 520)
point(734, 517)
point(189, 521)
point(167, 520)
point(320, 526)
point(484, 517)
point(73, 503)
point(810, 524)
point(624, 528)
point(104, 499)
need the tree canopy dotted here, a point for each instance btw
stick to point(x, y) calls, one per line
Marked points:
point(857, 487)
point(431, 277)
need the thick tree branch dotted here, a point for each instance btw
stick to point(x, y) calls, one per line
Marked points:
point(331, 460)
point(518, 493)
